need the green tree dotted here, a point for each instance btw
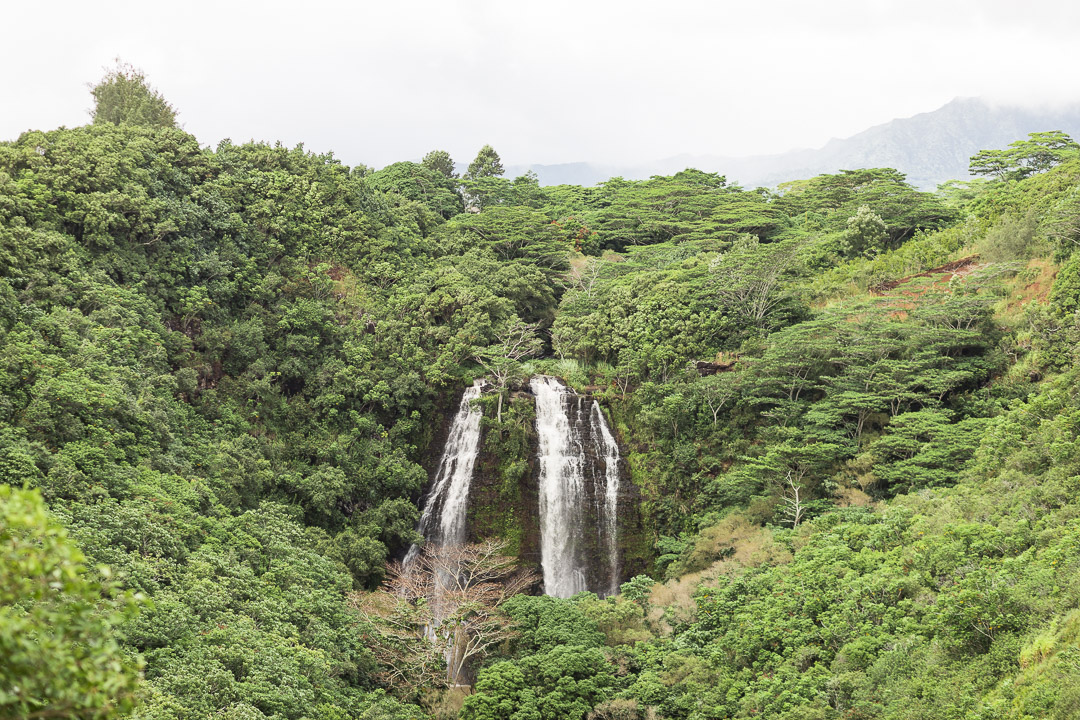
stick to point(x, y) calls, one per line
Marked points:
point(543, 623)
point(514, 341)
point(441, 162)
point(487, 163)
point(513, 234)
point(792, 469)
point(1040, 152)
point(60, 653)
point(689, 206)
point(486, 192)
point(923, 449)
point(749, 278)
point(124, 97)
point(866, 233)
point(563, 683)
point(420, 183)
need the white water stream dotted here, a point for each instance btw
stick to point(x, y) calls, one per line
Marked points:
point(608, 449)
point(562, 489)
point(563, 427)
point(443, 519)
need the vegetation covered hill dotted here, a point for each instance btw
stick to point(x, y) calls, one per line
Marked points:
point(850, 410)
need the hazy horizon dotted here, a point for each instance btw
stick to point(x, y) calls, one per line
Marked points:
point(602, 83)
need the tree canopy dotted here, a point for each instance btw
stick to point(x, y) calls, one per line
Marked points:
point(124, 97)
point(441, 162)
point(487, 163)
point(1038, 153)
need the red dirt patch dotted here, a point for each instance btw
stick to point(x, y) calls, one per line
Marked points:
point(1038, 289)
point(963, 266)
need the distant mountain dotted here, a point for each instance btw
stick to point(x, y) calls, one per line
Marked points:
point(930, 148)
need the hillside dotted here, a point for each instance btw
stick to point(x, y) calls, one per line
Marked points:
point(845, 421)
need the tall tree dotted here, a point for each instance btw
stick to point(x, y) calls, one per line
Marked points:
point(124, 97)
point(749, 277)
point(486, 164)
point(441, 162)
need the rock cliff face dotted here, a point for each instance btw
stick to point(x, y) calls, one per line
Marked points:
point(503, 502)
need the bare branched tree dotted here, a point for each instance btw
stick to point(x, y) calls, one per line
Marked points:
point(587, 277)
point(717, 391)
point(515, 340)
point(443, 607)
point(794, 507)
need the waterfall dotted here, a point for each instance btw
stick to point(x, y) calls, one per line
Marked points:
point(574, 442)
point(578, 487)
point(608, 450)
point(443, 519)
point(562, 485)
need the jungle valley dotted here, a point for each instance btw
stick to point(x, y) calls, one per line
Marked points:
point(824, 438)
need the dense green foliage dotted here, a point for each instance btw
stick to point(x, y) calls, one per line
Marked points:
point(59, 655)
point(791, 593)
point(124, 97)
point(223, 372)
point(215, 365)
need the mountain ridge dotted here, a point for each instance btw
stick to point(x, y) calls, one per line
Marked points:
point(930, 148)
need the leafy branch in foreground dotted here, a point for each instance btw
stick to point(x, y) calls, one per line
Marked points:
point(59, 654)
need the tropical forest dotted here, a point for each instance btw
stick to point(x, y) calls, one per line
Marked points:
point(286, 439)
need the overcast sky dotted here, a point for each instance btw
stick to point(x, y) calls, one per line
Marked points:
point(544, 82)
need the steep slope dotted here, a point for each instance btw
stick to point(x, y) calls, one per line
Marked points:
point(878, 494)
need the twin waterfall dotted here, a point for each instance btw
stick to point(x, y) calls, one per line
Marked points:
point(577, 482)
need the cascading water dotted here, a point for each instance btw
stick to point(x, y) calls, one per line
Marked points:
point(574, 442)
point(579, 477)
point(442, 522)
point(443, 519)
point(562, 485)
point(608, 450)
